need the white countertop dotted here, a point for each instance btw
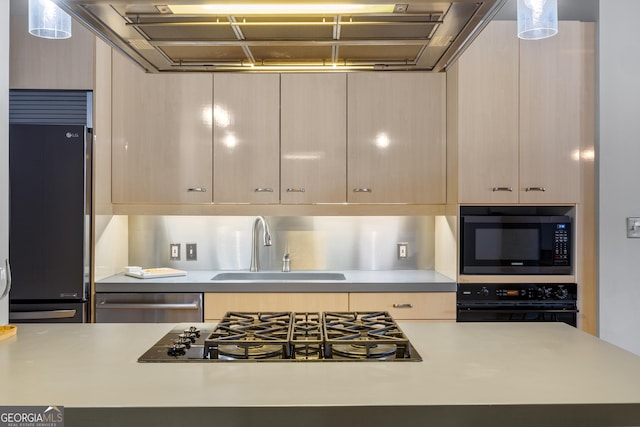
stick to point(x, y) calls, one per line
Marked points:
point(465, 365)
point(356, 281)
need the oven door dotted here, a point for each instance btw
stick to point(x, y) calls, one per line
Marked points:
point(519, 312)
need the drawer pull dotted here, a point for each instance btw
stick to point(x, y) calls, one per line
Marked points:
point(405, 305)
point(295, 190)
point(362, 190)
point(197, 190)
point(535, 189)
point(502, 188)
point(263, 190)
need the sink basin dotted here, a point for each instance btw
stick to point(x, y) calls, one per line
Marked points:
point(276, 275)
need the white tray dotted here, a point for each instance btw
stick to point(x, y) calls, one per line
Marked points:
point(153, 273)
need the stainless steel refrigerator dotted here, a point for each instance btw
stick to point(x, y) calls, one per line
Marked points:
point(49, 222)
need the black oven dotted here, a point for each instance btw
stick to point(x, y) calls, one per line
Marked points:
point(517, 302)
point(516, 244)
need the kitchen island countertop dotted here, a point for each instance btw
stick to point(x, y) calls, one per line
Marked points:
point(355, 281)
point(480, 374)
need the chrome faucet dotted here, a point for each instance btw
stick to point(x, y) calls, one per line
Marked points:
point(266, 239)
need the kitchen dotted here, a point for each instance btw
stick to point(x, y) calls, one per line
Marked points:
point(616, 275)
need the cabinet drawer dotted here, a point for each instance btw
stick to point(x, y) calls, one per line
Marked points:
point(407, 306)
point(217, 304)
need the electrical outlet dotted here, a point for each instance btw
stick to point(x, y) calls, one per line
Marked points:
point(403, 250)
point(633, 227)
point(192, 251)
point(174, 251)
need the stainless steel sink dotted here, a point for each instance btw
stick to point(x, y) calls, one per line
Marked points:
point(276, 275)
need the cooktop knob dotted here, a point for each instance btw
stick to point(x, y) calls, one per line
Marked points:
point(187, 336)
point(484, 292)
point(177, 350)
point(186, 341)
point(193, 330)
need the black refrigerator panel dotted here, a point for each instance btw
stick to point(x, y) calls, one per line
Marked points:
point(49, 218)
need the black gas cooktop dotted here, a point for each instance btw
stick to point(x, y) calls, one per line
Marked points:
point(287, 336)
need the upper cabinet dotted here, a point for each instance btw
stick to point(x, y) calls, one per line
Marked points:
point(37, 63)
point(161, 136)
point(313, 145)
point(518, 116)
point(551, 98)
point(246, 138)
point(396, 138)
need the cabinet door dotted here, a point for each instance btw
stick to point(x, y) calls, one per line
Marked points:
point(550, 103)
point(314, 138)
point(217, 304)
point(38, 63)
point(396, 138)
point(488, 117)
point(246, 138)
point(407, 306)
point(161, 136)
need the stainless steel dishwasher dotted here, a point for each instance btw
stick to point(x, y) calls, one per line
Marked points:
point(149, 307)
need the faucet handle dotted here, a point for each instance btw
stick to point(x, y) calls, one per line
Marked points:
point(286, 262)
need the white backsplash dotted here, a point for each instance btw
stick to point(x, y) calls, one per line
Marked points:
point(314, 243)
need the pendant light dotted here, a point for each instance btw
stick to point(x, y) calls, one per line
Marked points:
point(537, 19)
point(48, 21)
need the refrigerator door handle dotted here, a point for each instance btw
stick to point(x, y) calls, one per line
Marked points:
point(42, 315)
point(5, 278)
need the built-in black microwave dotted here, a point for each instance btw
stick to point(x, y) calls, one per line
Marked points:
point(516, 244)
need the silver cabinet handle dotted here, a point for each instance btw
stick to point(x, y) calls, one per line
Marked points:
point(42, 315)
point(502, 188)
point(263, 190)
point(295, 190)
point(197, 190)
point(362, 190)
point(535, 189)
point(404, 305)
point(141, 306)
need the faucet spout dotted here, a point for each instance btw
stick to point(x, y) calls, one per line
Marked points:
point(266, 241)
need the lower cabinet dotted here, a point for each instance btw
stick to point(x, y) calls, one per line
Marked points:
point(402, 306)
point(408, 306)
point(217, 304)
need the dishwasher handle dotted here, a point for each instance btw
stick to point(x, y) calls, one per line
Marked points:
point(148, 306)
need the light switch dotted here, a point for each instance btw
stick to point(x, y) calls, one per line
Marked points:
point(633, 227)
point(192, 252)
point(403, 249)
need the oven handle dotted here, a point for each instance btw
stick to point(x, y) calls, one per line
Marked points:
point(498, 310)
point(142, 306)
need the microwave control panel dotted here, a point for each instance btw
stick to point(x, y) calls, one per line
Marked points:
point(561, 244)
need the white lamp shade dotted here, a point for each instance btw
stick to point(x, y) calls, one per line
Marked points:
point(537, 19)
point(47, 20)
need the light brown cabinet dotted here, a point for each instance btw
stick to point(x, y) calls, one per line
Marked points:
point(217, 304)
point(407, 306)
point(246, 138)
point(313, 146)
point(161, 136)
point(402, 306)
point(396, 138)
point(38, 63)
point(518, 106)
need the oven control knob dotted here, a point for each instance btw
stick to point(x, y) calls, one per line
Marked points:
point(484, 292)
point(177, 350)
point(544, 293)
point(562, 293)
